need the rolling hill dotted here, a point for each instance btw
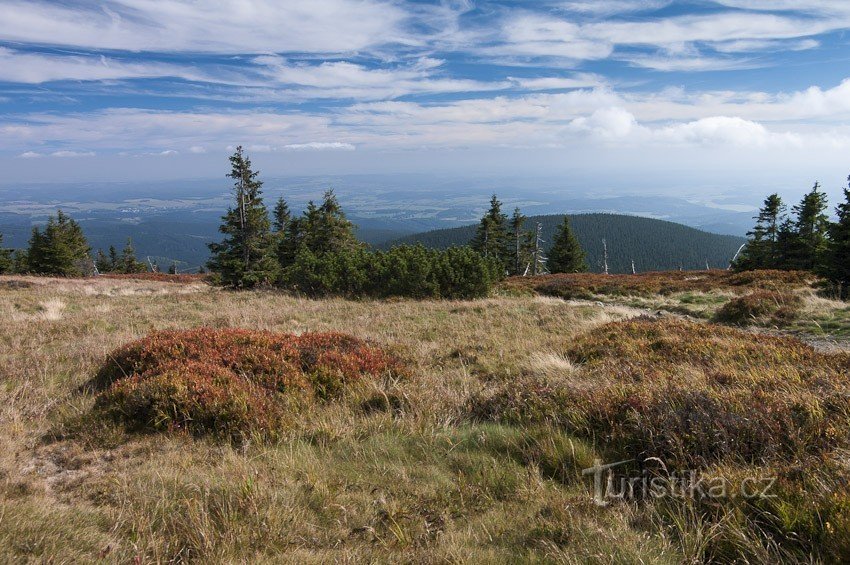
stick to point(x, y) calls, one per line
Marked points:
point(652, 244)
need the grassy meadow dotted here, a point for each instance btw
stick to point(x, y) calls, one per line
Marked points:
point(473, 453)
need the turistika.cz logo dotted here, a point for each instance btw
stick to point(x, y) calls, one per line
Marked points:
point(652, 480)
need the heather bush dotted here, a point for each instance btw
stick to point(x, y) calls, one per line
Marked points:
point(588, 285)
point(231, 382)
point(762, 307)
point(688, 393)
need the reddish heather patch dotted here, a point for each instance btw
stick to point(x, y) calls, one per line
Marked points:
point(587, 285)
point(230, 382)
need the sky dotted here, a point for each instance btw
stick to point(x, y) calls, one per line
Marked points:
point(699, 96)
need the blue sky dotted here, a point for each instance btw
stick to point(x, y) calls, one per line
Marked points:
point(749, 91)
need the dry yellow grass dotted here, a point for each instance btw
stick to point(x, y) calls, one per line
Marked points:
point(346, 484)
point(411, 479)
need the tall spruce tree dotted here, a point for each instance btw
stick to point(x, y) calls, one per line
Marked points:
point(836, 265)
point(516, 226)
point(6, 263)
point(492, 239)
point(566, 255)
point(60, 249)
point(245, 257)
point(283, 230)
point(334, 232)
point(811, 230)
point(763, 250)
point(113, 258)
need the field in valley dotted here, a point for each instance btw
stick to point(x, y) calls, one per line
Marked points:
point(475, 454)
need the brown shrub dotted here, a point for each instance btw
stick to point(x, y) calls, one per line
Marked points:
point(762, 307)
point(184, 278)
point(230, 382)
point(587, 285)
point(689, 393)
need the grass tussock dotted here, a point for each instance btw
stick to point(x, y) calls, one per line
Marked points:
point(231, 382)
point(761, 308)
point(590, 285)
point(691, 394)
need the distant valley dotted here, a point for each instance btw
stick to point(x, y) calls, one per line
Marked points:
point(174, 221)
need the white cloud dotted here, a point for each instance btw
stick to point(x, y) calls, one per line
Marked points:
point(36, 68)
point(228, 26)
point(67, 153)
point(753, 45)
point(726, 131)
point(611, 7)
point(582, 80)
point(607, 123)
point(673, 118)
point(317, 146)
point(343, 79)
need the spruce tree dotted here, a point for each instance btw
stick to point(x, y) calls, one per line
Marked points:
point(762, 250)
point(837, 257)
point(6, 263)
point(333, 231)
point(566, 255)
point(114, 261)
point(810, 231)
point(60, 249)
point(128, 262)
point(492, 239)
point(516, 225)
point(102, 262)
point(245, 257)
point(282, 216)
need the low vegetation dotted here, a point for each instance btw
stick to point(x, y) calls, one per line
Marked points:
point(690, 393)
point(761, 308)
point(593, 285)
point(231, 383)
point(470, 449)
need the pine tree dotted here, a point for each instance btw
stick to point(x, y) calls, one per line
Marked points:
point(566, 255)
point(6, 263)
point(491, 239)
point(114, 261)
point(837, 257)
point(60, 249)
point(516, 225)
point(245, 257)
point(810, 231)
point(102, 262)
point(333, 231)
point(762, 250)
point(128, 262)
point(282, 216)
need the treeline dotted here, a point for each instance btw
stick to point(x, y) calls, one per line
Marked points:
point(806, 239)
point(318, 254)
point(61, 249)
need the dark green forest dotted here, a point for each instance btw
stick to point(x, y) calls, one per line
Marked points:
point(654, 245)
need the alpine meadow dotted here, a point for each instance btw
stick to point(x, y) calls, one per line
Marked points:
point(396, 281)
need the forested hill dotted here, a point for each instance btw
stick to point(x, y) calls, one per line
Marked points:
point(652, 244)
